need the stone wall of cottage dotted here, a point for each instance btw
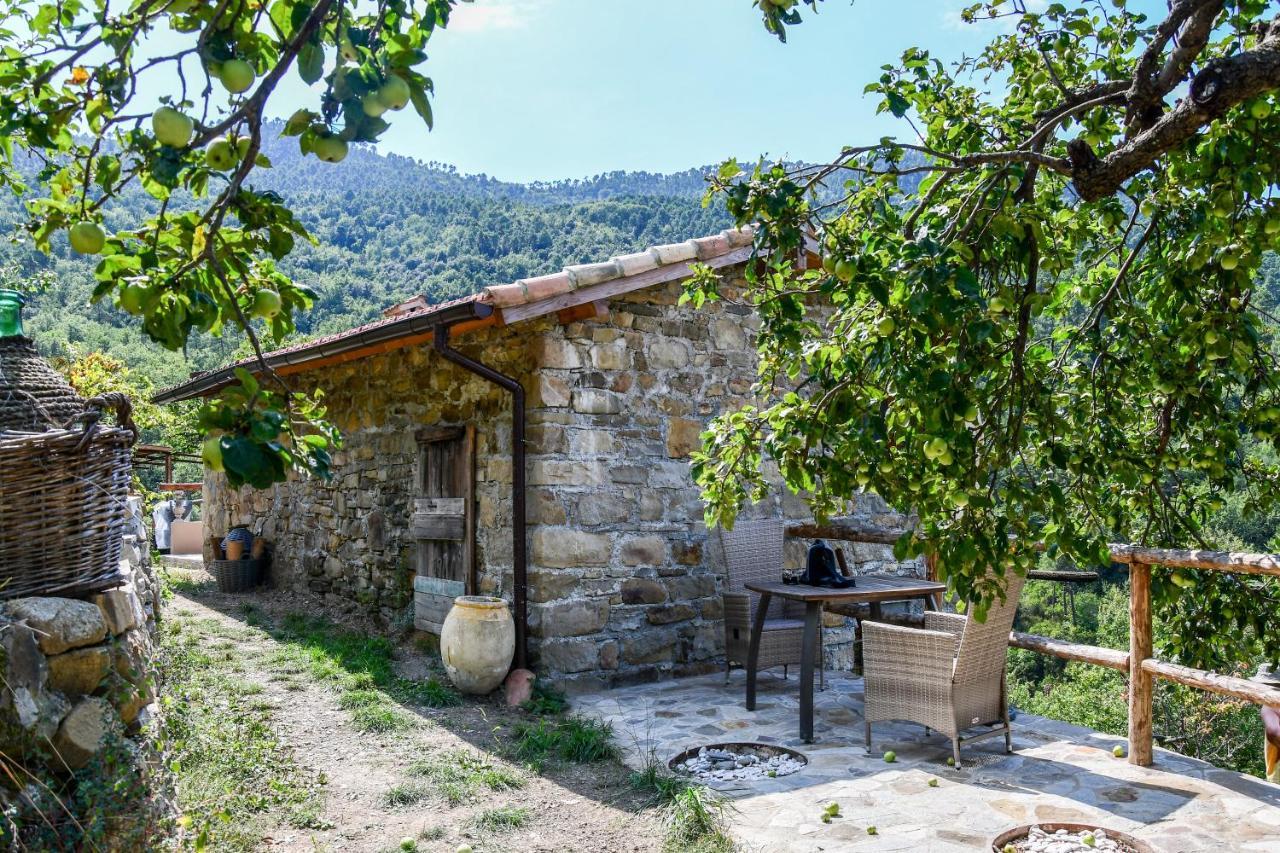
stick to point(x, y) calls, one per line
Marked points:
point(347, 539)
point(76, 673)
point(624, 580)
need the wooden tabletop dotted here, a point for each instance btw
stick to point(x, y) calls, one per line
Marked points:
point(870, 588)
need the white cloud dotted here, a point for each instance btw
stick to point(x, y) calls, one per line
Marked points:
point(485, 15)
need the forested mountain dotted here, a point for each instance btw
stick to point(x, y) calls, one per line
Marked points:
point(388, 227)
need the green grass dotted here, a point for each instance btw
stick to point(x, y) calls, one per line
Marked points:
point(546, 701)
point(574, 739)
point(501, 819)
point(695, 822)
point(656, 781)
point(400, 796)
point(459, 775)
point(234, 778)
point(379, 719)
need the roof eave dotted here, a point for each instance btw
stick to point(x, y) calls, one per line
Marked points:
point(407, 326)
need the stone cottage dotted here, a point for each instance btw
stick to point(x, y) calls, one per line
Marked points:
point(615, 380)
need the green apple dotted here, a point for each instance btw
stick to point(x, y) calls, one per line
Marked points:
point(886, 467)
point(1273, 225)
point(945, 457)
point(1229, 260)
point(394, 93)
point(890, 757)
point(1182, 581)
point(933, 783)
point(960, 500)
point(171, 127)
point(236, 75)
point(997, 305)
point(951, 761)
point(330, 149)
point(886, 327)
point(266, 303)
point(1118, 751)
point(871, 830)
point(87, 238)
point(211, 452)
point(220, 155)
point(844, 271)
point(1088, 840)
point(1260, 109)
point(242, 144)
point(131, 296)
point(372, 104)
point(1210, 337)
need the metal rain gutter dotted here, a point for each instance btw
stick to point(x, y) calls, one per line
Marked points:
point(413, 324)
point(519, 558)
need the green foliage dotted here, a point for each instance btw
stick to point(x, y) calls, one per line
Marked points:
point(502, 818)
point(546, 701)
point(458, 776)
point(1013, 341)
point(207, 255)
point(110, 801)
point(230, 765)
point(1221, 730)
point(695, 820)
point(574, 739)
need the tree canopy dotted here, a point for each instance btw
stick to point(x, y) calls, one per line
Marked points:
point(71, 78)
point(1057, 335)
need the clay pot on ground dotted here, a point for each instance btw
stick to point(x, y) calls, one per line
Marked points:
point(477, 642)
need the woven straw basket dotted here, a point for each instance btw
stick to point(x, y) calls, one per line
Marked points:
point(63, 490)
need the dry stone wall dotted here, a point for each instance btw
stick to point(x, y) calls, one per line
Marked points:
point(624, 580)
point(77, 671)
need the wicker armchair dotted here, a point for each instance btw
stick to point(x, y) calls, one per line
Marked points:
point(753, 552)
point(950, 676)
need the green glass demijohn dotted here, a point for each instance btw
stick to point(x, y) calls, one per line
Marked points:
point(11, 302)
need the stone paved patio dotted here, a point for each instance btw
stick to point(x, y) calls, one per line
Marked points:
point(1058, 772)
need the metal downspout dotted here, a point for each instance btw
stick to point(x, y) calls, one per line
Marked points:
point(440, 339)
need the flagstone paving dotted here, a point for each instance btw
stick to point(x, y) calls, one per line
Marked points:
point(1058, 772)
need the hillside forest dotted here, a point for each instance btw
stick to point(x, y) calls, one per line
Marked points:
point(390, 227)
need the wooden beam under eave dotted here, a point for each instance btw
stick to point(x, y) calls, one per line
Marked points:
point(597, 310)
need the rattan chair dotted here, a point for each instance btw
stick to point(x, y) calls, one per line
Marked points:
point(753, 552)
point(950, 676)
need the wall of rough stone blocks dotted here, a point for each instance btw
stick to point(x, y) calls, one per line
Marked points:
point(624, 579)
point(76, 672)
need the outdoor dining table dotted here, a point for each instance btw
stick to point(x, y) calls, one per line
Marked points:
point(870, 589)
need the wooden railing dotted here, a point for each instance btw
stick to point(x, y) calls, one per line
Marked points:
point(1139, 662)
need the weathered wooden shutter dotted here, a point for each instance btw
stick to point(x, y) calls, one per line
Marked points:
point(443, 523)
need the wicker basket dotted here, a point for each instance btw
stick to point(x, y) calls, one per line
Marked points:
point(237, 575)
point(63, 492)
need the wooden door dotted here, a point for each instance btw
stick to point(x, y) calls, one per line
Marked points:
point(443, 523)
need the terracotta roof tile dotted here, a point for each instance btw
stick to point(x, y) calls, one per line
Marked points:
point(637, 262)
point(526, 290)
point(585, 275)
point(711, 247)
point(506, 295)
point(546, 286)
point(674, 253)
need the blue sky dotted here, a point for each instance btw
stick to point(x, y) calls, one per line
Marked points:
point(546, 89)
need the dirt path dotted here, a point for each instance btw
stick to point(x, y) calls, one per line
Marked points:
point(374, 791)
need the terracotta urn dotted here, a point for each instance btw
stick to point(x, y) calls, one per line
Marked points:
point(477, 642)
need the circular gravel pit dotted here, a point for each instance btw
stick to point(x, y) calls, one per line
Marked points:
point(737, 762)
point(1067, 838)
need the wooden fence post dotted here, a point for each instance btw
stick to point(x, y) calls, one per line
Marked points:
point(1140, 649)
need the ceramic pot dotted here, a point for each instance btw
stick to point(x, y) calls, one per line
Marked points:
point(477, 641)
point(237, 542)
